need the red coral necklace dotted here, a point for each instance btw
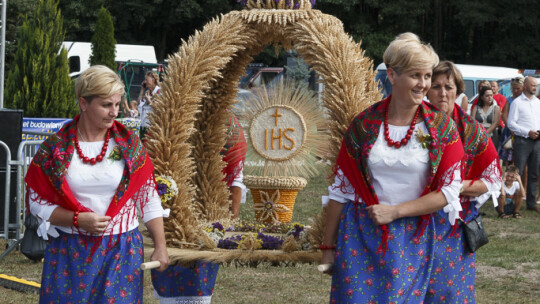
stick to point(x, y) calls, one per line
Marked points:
point(404, 141)
point(96, 159)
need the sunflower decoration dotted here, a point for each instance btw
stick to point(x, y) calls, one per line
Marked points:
point(167, 188)
point(268, 207)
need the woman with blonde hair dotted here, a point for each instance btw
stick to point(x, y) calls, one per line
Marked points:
point(399, 162)
point(149, 89)
point(87, 183)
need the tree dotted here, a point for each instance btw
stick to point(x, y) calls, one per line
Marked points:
point(39, 81)
point(103, 43)
point(16, 11)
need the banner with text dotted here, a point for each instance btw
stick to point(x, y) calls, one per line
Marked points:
point(52, 125)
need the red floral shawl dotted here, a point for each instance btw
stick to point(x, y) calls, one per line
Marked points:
point(479, 150)
point(47, 172)
point(445, 153)
point(234, 151)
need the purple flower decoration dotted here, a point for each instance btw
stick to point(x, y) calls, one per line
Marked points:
point(269, 242)
point(218, 226)
point(230, 242)
point(162, 189)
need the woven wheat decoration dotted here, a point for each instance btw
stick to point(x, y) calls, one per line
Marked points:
point(188, 122)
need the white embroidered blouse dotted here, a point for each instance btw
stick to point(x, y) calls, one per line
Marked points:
point(94, 187)
point(399, 175)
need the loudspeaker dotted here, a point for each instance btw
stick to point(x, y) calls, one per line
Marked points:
point(10, 133)
point(12, 197)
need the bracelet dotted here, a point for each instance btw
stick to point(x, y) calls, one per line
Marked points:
point(75, 219)
point(324, 247)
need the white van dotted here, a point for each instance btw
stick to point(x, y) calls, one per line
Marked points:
point(79, 55)
point(472, 74)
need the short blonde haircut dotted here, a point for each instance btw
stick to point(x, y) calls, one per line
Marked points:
point(98, 81)
point(407, 52)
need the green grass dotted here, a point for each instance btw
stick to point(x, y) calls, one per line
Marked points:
point(508, 267)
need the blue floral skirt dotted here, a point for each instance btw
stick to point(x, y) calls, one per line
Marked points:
point(192, 284)
point(452, 278)
point(72, 275)
point(361, 275)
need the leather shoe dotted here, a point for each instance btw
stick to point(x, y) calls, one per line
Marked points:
point(535, 208)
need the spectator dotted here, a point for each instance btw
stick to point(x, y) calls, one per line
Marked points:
point(487, 112)
point(463, 101)
point(149, 88)
point(505, 141)
point(512, 193)
point(524, 122)
point(499, 98)
point(479, 86)
point(130, 110)
point(517, 89)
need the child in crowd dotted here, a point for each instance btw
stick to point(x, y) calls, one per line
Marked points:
point(131, 111)
point(512, 193)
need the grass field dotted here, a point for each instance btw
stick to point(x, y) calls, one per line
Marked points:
point(508, 268)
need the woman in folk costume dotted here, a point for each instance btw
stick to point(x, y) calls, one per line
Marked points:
point(452, 276)
point(86, 185)
point(399, 162)
point(234, 155)
point(195, 283)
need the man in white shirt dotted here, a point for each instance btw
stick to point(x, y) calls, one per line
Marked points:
point(524, 122)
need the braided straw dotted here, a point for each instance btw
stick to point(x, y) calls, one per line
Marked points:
point(275, 182)
point(278, 4)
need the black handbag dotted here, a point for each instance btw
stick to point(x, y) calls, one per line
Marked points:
point(475, 234)
point(32, 246)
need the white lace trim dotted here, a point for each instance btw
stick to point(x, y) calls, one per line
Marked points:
point(451, 193)
point(183, 300)
point(412, 152)
point(494, 188)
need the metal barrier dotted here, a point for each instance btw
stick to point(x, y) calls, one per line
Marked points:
point(5, 231)
point(25, 153)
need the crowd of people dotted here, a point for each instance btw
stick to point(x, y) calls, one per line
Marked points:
point(408, 175)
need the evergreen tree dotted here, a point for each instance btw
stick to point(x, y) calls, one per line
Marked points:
point(103, 43)
point(39, 81)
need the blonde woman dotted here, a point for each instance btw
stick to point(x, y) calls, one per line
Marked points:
point(399, 162)
point(149, 89)
point(86, 185)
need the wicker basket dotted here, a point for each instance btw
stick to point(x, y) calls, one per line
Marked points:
point(288, 188)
